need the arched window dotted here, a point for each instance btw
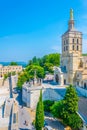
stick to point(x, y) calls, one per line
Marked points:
point(73, 47)
point(64, 42)
point(67, 41)
point(73, 40)
point(77, 41)
point(77, 48)
point(64, 48)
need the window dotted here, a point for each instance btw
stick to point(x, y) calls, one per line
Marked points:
point(64, 42)
point(73, 47)
point(77, 48)
point(64, 48)
point(67, 41)
point(73, 40)
point(77, 41)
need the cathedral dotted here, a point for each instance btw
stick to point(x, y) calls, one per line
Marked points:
point(73, 65)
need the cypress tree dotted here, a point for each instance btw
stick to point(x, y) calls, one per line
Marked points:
point(39, 121)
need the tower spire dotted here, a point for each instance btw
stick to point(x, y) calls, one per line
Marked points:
point(71, 14)
point(71, 21)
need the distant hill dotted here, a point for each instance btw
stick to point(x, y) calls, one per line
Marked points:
point(19, 63)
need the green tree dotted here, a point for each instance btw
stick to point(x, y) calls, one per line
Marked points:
point(23, 77)
point(39, 71)
point(52, 58)
point(48, 67)
point(13, 63)
point(56, 109)
point(71, 100)
point(47, 105)
point(39, 120)
point(5, 76)
point(67, 108)
point(74, 121)
point(13, 73)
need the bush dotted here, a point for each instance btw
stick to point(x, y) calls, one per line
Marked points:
point(56, 109)
point(74, 121)
point(47, 105)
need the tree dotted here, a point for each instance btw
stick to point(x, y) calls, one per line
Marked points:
point(39, 120)
point(71, 100)
point(13, 73)
point(39, 71)
point(74, 121)
point(47, 105)
point(13, 63)
point(56, 109)
point(52, 58)
point(48, 67)
point(67, 108)
point(23, 77)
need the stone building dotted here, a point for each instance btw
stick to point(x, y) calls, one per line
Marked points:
point(9, 114)
point(31, 93)
point(73, 67)
point(9, 69)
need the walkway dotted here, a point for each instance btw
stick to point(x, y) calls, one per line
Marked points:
point(24, 119)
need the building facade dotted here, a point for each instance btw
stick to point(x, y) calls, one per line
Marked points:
point(73, 66)
point(9, 114)
point(9, 69)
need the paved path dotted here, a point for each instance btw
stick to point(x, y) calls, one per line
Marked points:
point(54, 123)
point(24, 115)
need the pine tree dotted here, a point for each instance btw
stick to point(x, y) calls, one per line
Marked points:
point(39, 121)
point(67, 108)
point(71, 100)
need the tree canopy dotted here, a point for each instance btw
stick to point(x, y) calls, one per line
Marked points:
point(13, 63)
point(67, 108)
point(40, 65)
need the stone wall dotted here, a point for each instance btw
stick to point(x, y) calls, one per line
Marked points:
point(31, 97)
point(6, 82)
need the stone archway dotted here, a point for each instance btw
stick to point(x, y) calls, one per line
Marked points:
point(57, 78)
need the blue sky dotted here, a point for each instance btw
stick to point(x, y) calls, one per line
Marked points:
point(34, 27)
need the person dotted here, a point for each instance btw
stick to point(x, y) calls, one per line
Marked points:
point(25, 122)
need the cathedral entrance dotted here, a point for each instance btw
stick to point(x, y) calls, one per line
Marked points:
point(57, 78)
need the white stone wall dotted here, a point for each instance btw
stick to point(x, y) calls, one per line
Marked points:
point(31, 97)
point(6, 82)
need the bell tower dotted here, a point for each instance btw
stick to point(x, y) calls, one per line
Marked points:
point(71, 49)
point(71, 39)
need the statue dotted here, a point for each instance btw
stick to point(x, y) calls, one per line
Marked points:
point(71, 14)
point(35, 78)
